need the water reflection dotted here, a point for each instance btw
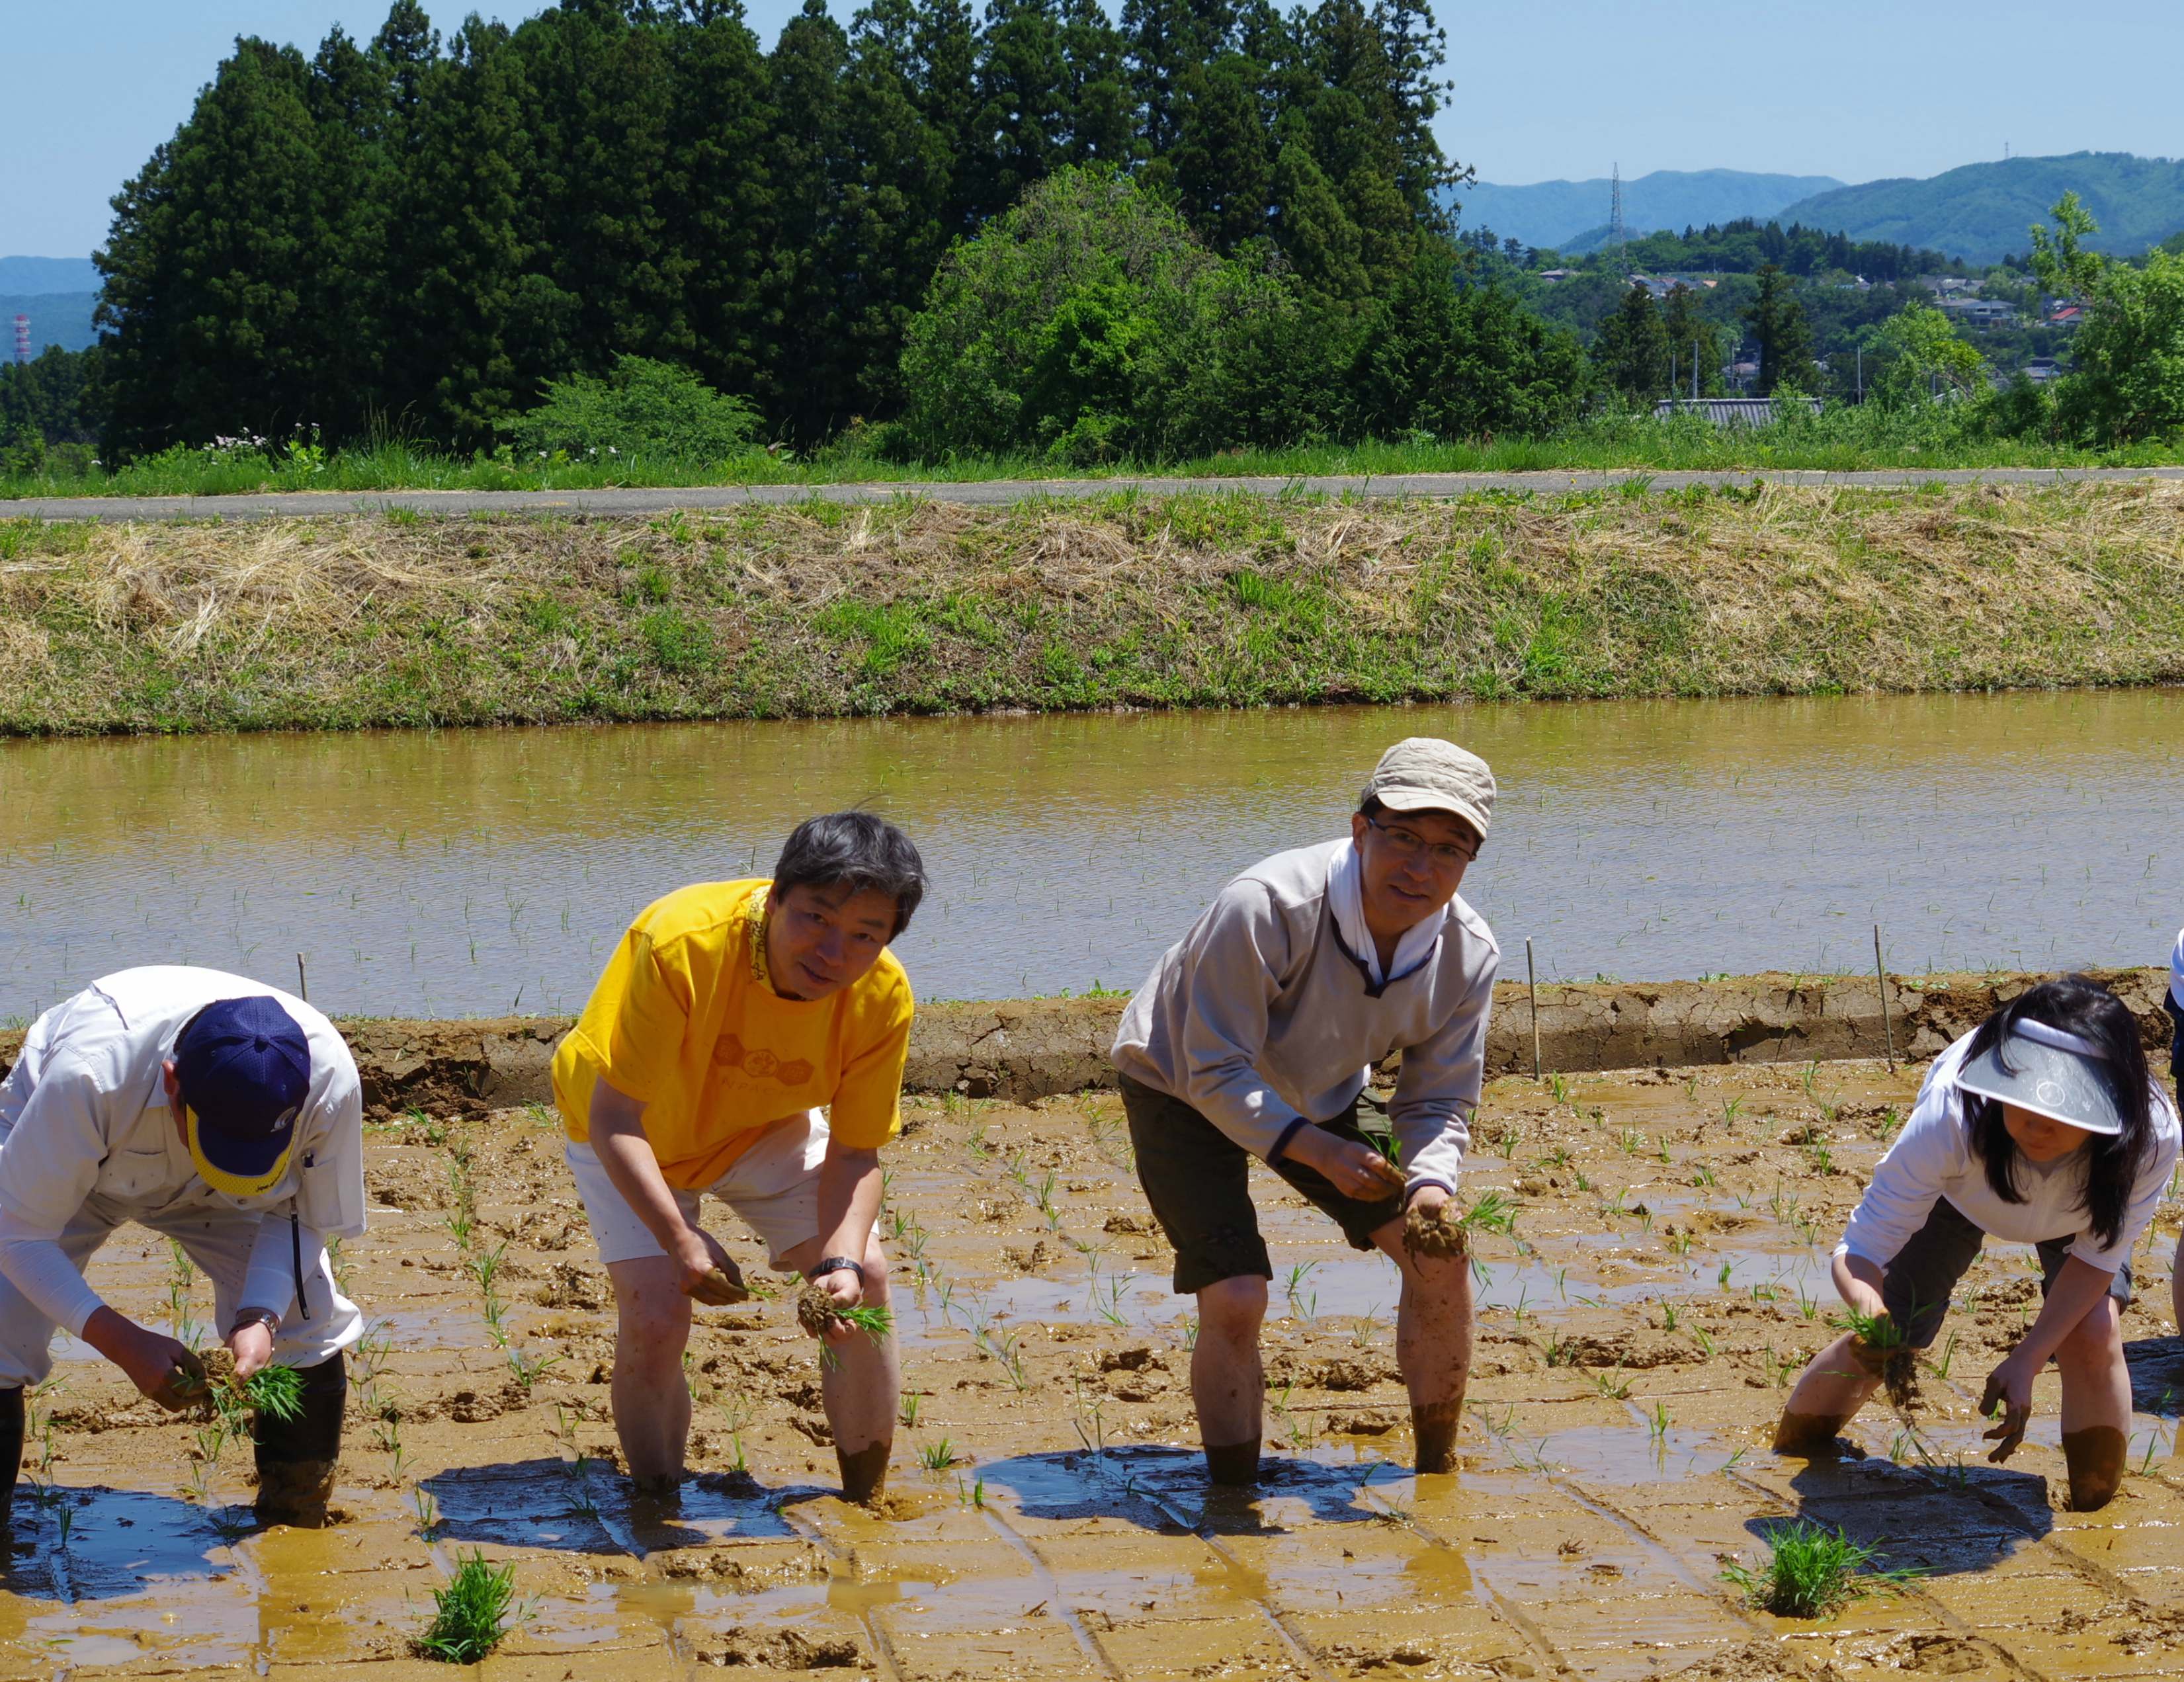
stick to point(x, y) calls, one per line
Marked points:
point(487, 870)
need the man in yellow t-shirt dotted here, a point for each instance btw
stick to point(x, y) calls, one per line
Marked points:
point(729, 1013)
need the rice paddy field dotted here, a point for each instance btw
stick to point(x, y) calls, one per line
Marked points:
point(1046, 1515)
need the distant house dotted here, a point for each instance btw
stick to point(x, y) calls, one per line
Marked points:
point(1947, 285)
point(1979, 312)
point(1730, 411)
point(2066, 314)
point(2042, 369)
point(1551, 275)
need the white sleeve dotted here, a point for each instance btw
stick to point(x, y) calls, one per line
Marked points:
point(330, 1164)
point(1231, 961)
point(49, 1166)
point(283, 1255)
point(2176, 970)
point(2145, 1195)
point(1437, 1090)
point(1908, 1178)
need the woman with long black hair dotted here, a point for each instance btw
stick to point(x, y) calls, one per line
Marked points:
point(2043, 1126)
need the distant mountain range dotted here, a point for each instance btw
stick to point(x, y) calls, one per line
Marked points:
point(1982, 212)
point(1556, 213)
point(32, 275)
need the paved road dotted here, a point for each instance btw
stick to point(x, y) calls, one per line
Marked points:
point(994, 493)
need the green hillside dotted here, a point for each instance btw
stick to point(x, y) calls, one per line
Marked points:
point(61, 318)
point(1980, 212)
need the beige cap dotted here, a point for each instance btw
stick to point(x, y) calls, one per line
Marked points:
point(1423, 773)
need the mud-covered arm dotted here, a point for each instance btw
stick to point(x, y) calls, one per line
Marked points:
point(49, 1167)
point(1438, 1086)
point(1909, 1177)
point(1236, 955)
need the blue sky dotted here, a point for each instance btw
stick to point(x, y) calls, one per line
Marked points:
point(1548, 88)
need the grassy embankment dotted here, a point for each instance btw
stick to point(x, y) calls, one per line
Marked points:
point(821, 610)
point(1844, 440)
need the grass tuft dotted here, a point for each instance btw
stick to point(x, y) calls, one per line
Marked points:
point(1810, 1571)
point(470, 1615)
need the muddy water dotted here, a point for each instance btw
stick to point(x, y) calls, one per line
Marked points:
point(482, 872)
point(1049, 1517)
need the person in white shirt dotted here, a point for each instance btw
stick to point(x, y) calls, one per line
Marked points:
point(226, 1116)
point(2043, 1126)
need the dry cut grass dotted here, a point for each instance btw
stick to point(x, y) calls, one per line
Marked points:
point(1114, 601)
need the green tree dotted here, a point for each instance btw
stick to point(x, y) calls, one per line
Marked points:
point(1223, 166)
point(1314, 231)
point(1632, 351)
point(1691, 340)
point(2060, 260)
point(1915, 355)
point(2127, 383)
point(1785, 341)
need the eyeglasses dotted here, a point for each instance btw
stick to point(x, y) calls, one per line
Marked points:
point(1408, 843)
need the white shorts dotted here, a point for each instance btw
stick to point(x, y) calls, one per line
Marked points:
point(774, 1187)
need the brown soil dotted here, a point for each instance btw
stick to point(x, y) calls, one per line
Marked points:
point(1047, 1512)
point(1023, 1049)
point(1436, 1234)
point(815, 1309)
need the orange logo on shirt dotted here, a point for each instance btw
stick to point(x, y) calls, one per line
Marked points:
point(759, 1065)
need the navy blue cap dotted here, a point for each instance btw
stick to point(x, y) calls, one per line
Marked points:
point(245, 1069)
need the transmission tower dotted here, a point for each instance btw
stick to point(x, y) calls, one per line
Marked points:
point(1616, 236)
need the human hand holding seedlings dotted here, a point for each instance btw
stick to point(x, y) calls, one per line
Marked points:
point(251, 1343)
point(163, 1369)
point(1353, 1169)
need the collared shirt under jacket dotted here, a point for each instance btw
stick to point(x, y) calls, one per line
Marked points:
point(1262, 1017)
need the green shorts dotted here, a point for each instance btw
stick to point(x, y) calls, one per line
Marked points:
point(1919, 1281)
point(1198, 1181)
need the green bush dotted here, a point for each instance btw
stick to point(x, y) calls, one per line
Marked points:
point(642, 408)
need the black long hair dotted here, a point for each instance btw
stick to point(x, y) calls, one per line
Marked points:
point(2110, 1162)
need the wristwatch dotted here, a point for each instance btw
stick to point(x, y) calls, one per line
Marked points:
point(260, 1316)
point(836, 1264)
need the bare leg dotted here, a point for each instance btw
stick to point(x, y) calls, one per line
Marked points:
point(1833, 1389)
point(2096, 1405)
point(1227, 1383)
point(651, 1399)
point(860, 1383)
point(1432, 1345)
point(2176, 1285)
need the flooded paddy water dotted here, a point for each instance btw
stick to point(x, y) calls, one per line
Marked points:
point(1047, 1515)
point(489, 872)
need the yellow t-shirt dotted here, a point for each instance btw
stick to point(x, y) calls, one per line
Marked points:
point(685, 1021)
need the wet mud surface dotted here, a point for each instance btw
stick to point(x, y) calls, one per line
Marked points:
point(1047, 1512)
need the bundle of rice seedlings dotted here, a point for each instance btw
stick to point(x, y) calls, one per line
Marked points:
point(1810, 1571)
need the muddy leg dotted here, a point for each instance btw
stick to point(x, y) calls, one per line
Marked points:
point(1433, 1344)
point(297, 1458)
point(1833, 1389)
point(2176, 1285)
point(2096, 1405)
point(1226, 1381)
point(862, 1393)
point(651, 1398)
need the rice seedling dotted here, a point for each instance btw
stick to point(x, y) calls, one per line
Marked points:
point(1507, 1144)
point(938, 1457)
point(1668, 1317)
point(530, 1368)
point(1656, 1425)
point(1810, 1571)
point(470, 1615)
point(1881, 1348)
point(912, 1402)
point(1613, 1385)
point(427, 1508)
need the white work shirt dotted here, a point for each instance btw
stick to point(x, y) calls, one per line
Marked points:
point(87, 1114)
point(2177, 972)
point(1933, 1157)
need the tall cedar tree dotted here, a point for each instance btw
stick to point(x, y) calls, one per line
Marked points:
point(418, 233)
point(1777, 325)
point(1632, 351)
point(1692, 342)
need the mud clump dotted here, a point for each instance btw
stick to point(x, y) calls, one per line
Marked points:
point(721, 1287)
point(1436, 1234)
point(1896, 1365)
point(815, 1309)
point(788, 1650)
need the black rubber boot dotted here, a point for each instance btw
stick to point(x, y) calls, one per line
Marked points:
point(297, 1458)
point(11, 1450)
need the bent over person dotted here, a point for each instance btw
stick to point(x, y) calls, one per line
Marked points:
point(223, 1115)
point(729, 1013)
point(1253, 1036)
